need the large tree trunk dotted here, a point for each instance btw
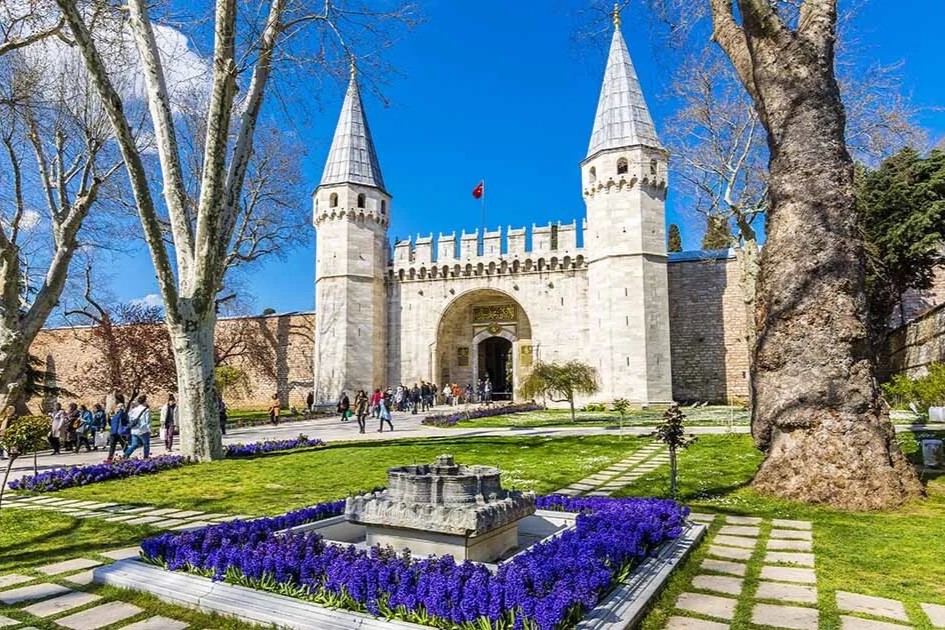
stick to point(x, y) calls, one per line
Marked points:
point(817, 411)
point(13, 355)
point(747, 257)
point(193, 355)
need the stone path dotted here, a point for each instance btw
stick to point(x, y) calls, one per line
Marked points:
point(881, 613)
point(776, 554)
point(161, 518)
point(37, 596)
point(622, 474)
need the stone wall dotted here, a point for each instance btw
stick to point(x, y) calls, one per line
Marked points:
point(708, 324)
point(283, 364)
point(911, 348)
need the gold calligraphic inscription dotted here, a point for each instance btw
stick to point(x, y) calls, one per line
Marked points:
point(525, 355)
point(462, 356)
point(494, 313)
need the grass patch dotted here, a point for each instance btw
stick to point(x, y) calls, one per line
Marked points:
point(280, 482)
point(894, 553)
point(703, 416)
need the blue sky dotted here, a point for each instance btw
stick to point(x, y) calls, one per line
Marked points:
point(499, 90)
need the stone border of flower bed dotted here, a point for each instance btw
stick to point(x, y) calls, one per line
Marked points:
point(452, 419)
point(74, 476)
point(622, 608)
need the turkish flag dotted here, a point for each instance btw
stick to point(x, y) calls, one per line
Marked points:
point(478, 190)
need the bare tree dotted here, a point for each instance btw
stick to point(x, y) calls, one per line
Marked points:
point(23, 23)
point(55, 147)
point(202, 231)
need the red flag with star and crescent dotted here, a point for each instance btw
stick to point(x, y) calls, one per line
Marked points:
point(479, 190)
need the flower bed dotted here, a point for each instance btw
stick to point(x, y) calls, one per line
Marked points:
point(71, 476)
point(551, 585)
point(452, 419)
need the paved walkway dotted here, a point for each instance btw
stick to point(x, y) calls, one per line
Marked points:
point(622, 474)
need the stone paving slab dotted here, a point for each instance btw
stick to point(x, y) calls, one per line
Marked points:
point(723, 566)
point(791, 534)
point(688, 623)
point(793, 617)
point(157, 623)
point(735, 541)
point(12, 579)
point(56, 605)
point(163, 511)
point(856, 623)
point(729, 553)
point(701, 518)
point(783, 523)
point(740, 530)
point(790, 545)
point(141, 520)
point(121, 518)
point(708, 605)
point(137, 510)
point(790, 557)
point(100, 616)
point(743, 520)
point(122, 554)
point(788, 574)
point(6, 621)
point(187, 514)
point(936, 614)
point(29, 593)
point(595, 493)
point(787, 592)
point(68, 565)
point(82, 579)
point(867, 604)
point(719, 584)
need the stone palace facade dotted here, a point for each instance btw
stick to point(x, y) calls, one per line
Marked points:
point(455, 310)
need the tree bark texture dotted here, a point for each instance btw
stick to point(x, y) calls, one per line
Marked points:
point(193, 355)
point(817, 411)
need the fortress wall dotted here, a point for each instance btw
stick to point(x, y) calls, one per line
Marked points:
point(707, 328)
point(283, 363)
point(911, 348)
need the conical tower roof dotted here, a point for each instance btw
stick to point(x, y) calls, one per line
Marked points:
point(352, 158)
point(622, 119)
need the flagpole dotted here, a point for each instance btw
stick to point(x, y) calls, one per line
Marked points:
point(482, 201)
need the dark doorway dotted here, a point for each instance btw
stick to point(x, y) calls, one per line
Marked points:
point(495, 362)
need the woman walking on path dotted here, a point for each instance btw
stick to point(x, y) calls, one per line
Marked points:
point(361, 408)
point(139, 419)
point(58, 429)
point(169, 422)
point(344, 406)
point(117, 429)
point(385, 414)
point(84, 433)
point(274, 410)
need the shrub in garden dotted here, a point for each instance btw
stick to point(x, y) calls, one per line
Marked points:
point(22, 435)
point(925, 391)
point(561, 382)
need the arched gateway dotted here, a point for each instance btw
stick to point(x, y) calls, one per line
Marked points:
point(481, 334)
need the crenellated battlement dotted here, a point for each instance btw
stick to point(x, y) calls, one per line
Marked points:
point(553, 247)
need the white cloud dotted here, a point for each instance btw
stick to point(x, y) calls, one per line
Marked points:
point(30, 219)
point(151, 299)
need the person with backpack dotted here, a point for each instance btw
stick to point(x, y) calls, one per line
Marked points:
point(139, 422)
point(117, 429)
point(84, 432)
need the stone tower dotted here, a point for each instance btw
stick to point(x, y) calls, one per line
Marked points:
point(624, 185)
point(351, 216)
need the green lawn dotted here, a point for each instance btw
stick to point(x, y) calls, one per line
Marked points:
point(703, 416)
point(32, 538)
point(895, 554)
point(280, 482)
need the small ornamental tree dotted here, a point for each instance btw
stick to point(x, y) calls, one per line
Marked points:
point(560, 382)
point(621, 406)
point(671, 432)
point(675, 239)
point(22, 435)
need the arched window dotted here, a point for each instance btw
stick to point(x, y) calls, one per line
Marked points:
point(383, 206)
point(361, 200)
point(621, 166)
point(652, 167)
point(333, 200)
point(592, 175)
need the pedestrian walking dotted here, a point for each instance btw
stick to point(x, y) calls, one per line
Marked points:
point(84, 431)
point(274, 410)
point(344, 407)
point(221, 413)
point(73, 420)
point(376, 402)
point(385, 414)
point(361, 408)
point(57, 430)
point(100, 426)
point(168, 420)
point(139, 420)
point(117, 429)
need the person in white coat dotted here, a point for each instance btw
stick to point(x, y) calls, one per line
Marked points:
point(169, 422)
point(139, 420)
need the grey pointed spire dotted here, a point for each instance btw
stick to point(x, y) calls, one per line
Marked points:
point(352, 158)
point(622, 118)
